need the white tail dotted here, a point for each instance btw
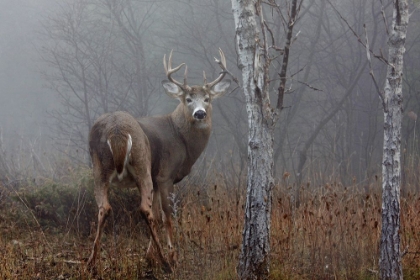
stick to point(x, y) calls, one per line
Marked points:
point(121, 173)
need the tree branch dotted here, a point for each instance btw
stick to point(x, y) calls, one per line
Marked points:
point(379, 57)
point(291, 23)
point(380, 93)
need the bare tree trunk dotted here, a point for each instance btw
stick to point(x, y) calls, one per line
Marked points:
point(390, 258)
point(253, 262)
point(254, 61)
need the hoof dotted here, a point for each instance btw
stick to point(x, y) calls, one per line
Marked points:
point(166, 267)
point(173, 258)
point(91, 268)
point(154, 261)
point(90, 263)
point(151, 260)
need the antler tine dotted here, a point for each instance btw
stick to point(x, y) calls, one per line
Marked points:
point(204, 76)
point(169, 71)
point(223, 59)
point(185, 77)
point(222, 64)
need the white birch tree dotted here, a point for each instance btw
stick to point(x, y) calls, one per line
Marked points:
point(254, 62)
point(390, 266)
point(390, 257)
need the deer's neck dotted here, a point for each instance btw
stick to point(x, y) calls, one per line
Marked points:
point(194, 134)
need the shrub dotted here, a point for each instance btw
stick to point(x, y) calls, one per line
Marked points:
point(72, 207)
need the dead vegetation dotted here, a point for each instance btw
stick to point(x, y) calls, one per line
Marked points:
point(334, 234)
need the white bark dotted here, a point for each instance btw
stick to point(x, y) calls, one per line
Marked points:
point(254, 262)
point(390, 258)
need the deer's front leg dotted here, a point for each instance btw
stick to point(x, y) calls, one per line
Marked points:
point(157, 212)
point(167, 200)
point(163, 202)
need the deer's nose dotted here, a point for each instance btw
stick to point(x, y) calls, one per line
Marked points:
point(200, 114)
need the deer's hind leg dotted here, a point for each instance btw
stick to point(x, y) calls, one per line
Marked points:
point(101, 197)
point(145, 186)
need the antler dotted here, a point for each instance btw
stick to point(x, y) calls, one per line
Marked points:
point(169, 71)
point(222, 64)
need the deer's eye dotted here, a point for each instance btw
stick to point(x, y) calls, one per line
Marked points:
point(189, 100)
point(207, 100)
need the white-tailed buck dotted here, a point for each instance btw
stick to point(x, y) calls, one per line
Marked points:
point(153, 153)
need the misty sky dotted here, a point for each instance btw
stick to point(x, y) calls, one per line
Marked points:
point(23, 98)
point(326, 56)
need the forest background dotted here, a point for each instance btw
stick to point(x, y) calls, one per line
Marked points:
point(62, 65)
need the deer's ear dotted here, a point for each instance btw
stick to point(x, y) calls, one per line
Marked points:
point(220, 88)
point(172, 89)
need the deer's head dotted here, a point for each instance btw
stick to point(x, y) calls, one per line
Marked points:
point(196, 99)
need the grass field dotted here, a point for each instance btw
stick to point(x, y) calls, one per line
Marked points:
point(46, 233)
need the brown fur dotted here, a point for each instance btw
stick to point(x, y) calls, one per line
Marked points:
point(164, 148)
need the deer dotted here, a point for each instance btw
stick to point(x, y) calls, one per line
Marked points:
point(153, 153)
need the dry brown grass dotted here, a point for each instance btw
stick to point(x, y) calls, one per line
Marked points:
point(333, 235)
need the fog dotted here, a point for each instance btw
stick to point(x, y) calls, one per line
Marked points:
point(111, 51)
point(24, 99)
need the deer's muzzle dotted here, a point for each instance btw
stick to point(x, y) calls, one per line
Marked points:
point(200, 114)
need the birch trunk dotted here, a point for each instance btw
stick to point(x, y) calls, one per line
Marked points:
point(253, 260)
point(390, 258)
